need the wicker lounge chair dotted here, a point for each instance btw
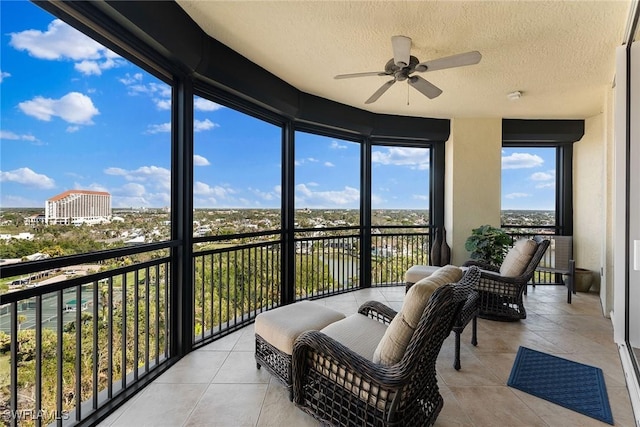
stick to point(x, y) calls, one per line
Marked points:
point(501, 292)
point(339, 386)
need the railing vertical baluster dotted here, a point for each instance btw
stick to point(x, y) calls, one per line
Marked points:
point(14, 364)
point(243, 283)
point(202, 290)
point(147, 350)
point(38, 361)
point(110, 338)
point(94, 356)
point(79, 304)
point(136, 330)
point(59, 357)
point(213, 317)
point(227, 280)
point(123, 344)
point(167, 275)
point(218, 278)
point(156, 286)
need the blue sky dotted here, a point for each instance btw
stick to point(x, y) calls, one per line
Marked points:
point(78, 116)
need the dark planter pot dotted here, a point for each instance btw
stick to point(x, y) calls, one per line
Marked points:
point(583, 280)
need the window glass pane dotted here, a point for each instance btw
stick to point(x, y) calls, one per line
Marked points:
point(85, 161)
point(528, 186)
point(327, 196)
point(400, 186)
point(327, 181)
point(237, 171)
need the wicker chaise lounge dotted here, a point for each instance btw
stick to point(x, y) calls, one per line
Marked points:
point(339, 383)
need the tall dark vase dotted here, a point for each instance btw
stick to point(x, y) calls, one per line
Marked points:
point(445, 250)
point(436, 248)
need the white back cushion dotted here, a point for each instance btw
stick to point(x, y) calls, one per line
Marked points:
point(393, 344)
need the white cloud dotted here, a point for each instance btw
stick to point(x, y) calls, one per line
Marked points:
point(415, 158)
point(158, 177)
point(420, 197)
point(516, 195)
point(163, 104)
point(62, 42)
point(329, 165)
point(337, 146)
point(307, 160)
point(129, 79)
point(73, 129)
point(27, 177)
point(219, 192)
point(163, 127)
point(133, 189)
point(4, 75)
point(200, 160)
point(8, 200)
point(201, 104)
point(159, 93)
point(267, 195)
point(347, 197)
point(542, 176)
point(546, 185)
point(206, 124)
point(74, 108)
point(5, 134)
point(521, 161)
point(93, 187)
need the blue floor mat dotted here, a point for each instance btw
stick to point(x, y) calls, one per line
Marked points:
point(573, 385)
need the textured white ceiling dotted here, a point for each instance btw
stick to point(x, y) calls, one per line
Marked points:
point(559, 54)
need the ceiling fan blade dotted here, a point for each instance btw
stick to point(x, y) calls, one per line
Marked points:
point(424, 87)
point(377, 94)
point(401, 50)
point(372, 73)
point(459, 60)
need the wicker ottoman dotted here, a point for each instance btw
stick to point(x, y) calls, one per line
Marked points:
point(276, 330)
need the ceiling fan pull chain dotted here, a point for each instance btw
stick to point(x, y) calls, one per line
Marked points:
point(407, 95)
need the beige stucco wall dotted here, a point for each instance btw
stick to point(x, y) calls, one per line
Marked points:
point(589, 208)
point(472, 180)
point(607, 279)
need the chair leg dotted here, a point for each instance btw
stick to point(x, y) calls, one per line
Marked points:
point(474, 331)
point(456, 362)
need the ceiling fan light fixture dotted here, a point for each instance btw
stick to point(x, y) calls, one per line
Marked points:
point(401, 50)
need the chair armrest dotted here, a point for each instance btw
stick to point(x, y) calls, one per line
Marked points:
point(481, 264)
point(337, 360)
point(378, 311)
point(495, 276)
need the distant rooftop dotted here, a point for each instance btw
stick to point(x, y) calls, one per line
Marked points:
point(71, 192)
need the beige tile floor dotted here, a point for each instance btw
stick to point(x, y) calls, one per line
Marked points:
point(219, 384)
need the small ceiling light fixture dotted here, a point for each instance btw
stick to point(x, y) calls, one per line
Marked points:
point(514, 95)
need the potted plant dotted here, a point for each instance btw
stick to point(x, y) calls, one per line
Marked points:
point(488, 244)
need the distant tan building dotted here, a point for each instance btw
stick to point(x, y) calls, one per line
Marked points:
point(78, 207)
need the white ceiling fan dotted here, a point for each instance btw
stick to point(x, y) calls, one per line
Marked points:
point(403, 64)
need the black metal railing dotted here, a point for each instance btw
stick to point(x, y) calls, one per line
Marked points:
point(235, 278)
point(73, 345)
point(395, 249)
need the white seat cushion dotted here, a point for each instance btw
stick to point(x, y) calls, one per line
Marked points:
point(357, 332)
point(518, 257)
point(281, 326)
point(418, 272)
point(397, 336)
